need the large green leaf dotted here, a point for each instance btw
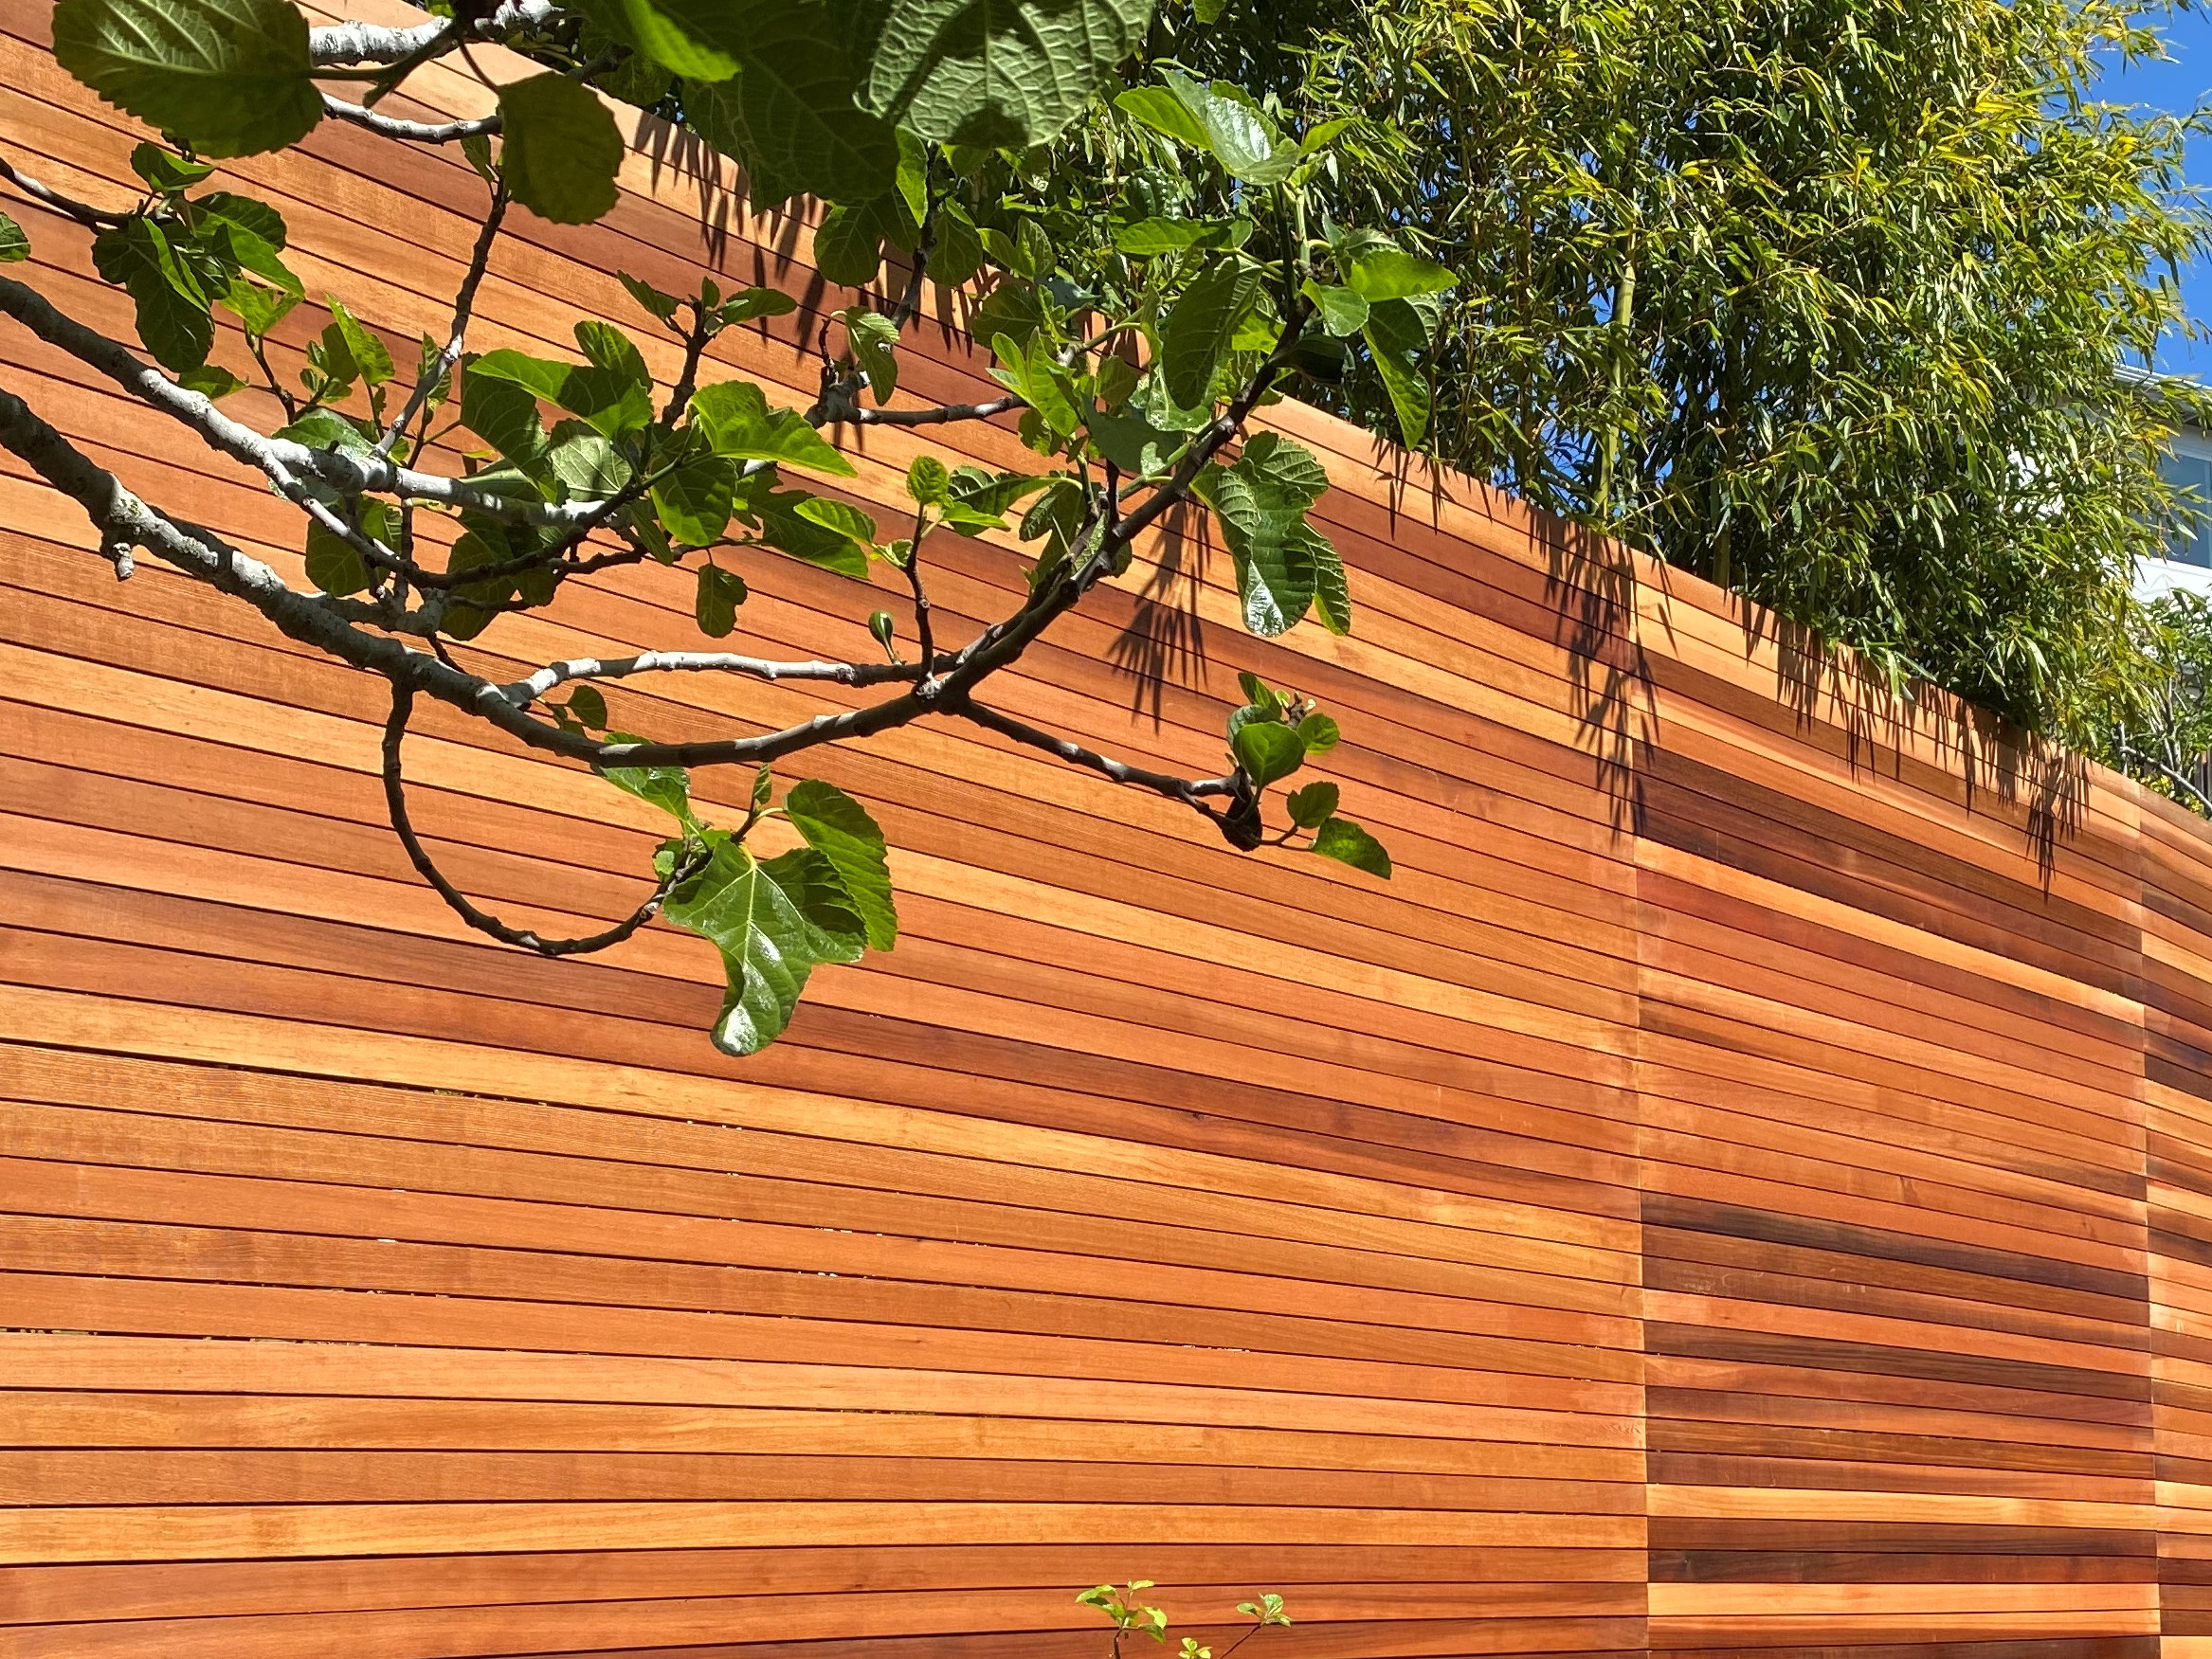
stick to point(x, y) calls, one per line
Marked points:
point(1268, 751)
point(172, 307)
point(229, 77)
point(1198, 331)
point(838, 828)
point(1389, 273)
point(848, 249)
point(996, 73)
point(1347, 843)
point(775, 922)
point(1245, 142)
point(789, 113)
point(1396, 334)
point(610, 401)
point(695, 501)
point(562, 147)
point(661, 33)
point(502, 412)
point(1261, 503)
point(735, 420)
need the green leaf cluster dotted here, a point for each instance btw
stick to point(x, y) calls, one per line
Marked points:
point(774, 920)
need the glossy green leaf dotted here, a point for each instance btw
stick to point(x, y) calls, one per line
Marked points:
point(784, 528)
point(1397, 337)
point(1247, 144)
point(927, 482)
point(694, 501)
point(589, 707)
point(996, 73)
point(165, 171)
point(503, 411)
point(1342, 311)
point(874, 338)
point(212, 381)
point(775, 922)
point(1391, 273)
point(649, 298)
point(839, 827)
point(334, 565)
point(1162, 111)
point(1204, 320)
point(229, 77)
point(371, 359)
point(586, 462)
point(561, 149)
point(172, 307)
point(841, 516)
point(734, 419)
point(606, 347)
point(14, 245)
point(1147, 238)
point(1320, 734)
point(1347, 843)
point(714, 606)
point(1314, 805)
point(1331, 593)
point(667, 787)
point(1268, 751)
point(1261, 502)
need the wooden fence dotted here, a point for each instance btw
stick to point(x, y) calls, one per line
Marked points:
point(1740, 1187)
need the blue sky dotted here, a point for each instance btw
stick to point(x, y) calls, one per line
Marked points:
point(2178, 86)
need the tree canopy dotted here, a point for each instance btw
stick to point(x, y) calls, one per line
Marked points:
point(1823, 300)
point(1132, 322)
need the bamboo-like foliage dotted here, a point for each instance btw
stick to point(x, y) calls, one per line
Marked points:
point(1825, 299)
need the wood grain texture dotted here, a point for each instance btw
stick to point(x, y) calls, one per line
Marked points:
point(1744, 1187)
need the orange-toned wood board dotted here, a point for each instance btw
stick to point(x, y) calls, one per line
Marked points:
point(1744, 1187)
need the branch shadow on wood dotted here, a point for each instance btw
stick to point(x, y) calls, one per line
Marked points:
point(1165, 641)
point(1988, 764)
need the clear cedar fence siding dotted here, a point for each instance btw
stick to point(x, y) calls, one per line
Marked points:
point(1737, 1190)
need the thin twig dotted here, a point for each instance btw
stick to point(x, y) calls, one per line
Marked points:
point(84, 213)
point(464, 308)
point(395, 730)
point(1190, 791)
